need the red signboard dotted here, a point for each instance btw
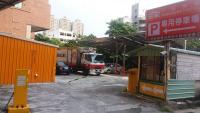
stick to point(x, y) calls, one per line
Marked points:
point(179, 20)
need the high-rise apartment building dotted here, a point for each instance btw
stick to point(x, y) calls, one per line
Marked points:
point(54, 23)
point(25, 18)
point(78, 27)
point(65, 24)
point(135, 13)
point(64, 29)
point(138, 18)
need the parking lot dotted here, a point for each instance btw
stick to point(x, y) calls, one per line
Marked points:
point(80, 94)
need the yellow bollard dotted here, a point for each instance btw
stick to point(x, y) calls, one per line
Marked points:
point(133, 80)
point(20, 93)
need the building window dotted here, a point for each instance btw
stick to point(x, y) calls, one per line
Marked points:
point(61, 33)
point(18, 5)
point(68, 34)
point(136, 16)
point(135, 23)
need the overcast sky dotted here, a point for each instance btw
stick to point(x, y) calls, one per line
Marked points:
point(96, 13)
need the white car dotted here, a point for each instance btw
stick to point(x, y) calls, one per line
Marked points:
point(110, 68)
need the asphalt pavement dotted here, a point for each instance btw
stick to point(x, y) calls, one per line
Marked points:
point(81, 94)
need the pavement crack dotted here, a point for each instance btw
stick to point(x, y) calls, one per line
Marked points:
point(76, 79)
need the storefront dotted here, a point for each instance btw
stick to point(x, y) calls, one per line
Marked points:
point(151, 71)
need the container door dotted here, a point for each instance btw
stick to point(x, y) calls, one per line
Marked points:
point(74, 57)
point(69, 58)
point(33, 66)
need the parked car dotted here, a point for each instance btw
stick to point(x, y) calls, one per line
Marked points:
point(62, 68)
point(110, 68)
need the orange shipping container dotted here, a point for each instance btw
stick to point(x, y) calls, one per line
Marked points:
point(17, 53)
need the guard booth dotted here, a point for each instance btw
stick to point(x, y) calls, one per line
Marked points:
point(184, 73)
point(21, 53)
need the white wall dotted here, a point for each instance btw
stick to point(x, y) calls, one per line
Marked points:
point(188, 67)
point(56, 34)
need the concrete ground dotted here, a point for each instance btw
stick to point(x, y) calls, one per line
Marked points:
point(80, 94)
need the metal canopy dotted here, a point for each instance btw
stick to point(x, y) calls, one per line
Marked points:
point(132, 43)
point(8, 3)
point(109, 43)
point(154, 50)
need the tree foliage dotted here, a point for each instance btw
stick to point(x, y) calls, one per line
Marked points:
point(55, 41)
point(87, 38)
point(117, 28)
point(68, 43)
point(193, 44)
point(42, 38)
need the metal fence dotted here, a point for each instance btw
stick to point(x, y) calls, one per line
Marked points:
point(180, 89)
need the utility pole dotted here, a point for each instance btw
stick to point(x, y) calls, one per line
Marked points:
point(167, 66)
point(116, 62)
point(124, 60)
point(185, 45)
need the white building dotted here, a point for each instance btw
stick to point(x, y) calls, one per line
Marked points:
point(65, 24)
point(62, 35)
point(54, 23)
point(78, 27)
point(138, 18)
point(126, 19)
point(135, 13)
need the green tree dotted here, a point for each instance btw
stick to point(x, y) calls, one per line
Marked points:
point(80, 36)
point(45, 39)
point(193, 44)
point(89, 37)
point(55, 41)
point(42, 38)
point(70, 43)
point(117, 28)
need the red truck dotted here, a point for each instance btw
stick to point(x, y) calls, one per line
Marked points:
point(82, 59)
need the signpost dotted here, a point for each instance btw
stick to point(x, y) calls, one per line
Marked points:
point(176, 21)
point(179, 20)
point(20, 104)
